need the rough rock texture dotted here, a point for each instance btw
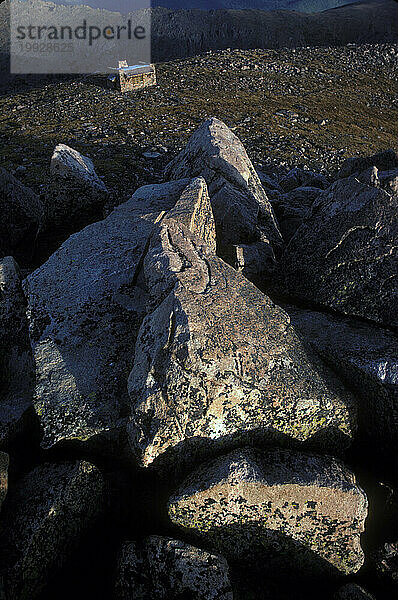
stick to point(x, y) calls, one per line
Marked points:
point(384, 161)
point(292, 208)
point(4, 462)
point(367, 357)
point(302, 196)
point(21, 213)
point(352, 591)
point(193, 211)
point(47, 513)
point(75, 190)
point(217, 364)
point(344, 256)
point(16, 361)
point(301, 178)
point(164, 568)
point(288, 510)
point(242, 212)
point(84, 311)
point(387, 563)
point(255, 261)
point(389, 181)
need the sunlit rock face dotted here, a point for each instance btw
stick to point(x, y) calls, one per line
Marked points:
point(217, 364)
point(277, 509)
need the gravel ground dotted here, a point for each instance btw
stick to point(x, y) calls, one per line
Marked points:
point(308, 106)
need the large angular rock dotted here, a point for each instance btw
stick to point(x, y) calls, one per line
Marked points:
point(217, 364)
point(85, 306)
point(164, 568)
point(344, 256)
point(384, 161)
point(367, 357)
point(75, 192)
point(285, 510)
point(16, 361)
point(21, 214)
point(4, 462)
point(48, 512)
point(242, 212)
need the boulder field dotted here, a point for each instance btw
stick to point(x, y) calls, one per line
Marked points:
point(205, 374)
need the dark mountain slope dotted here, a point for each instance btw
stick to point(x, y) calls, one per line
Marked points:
point(297, 5)
point(181, 33)
point(186, 33)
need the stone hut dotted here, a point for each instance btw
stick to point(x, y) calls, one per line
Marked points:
point(135, 77)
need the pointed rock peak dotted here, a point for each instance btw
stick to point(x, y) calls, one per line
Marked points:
point(242, 212)
point(193, 210)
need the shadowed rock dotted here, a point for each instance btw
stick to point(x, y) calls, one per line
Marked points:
point(292, 208)
point(386, 563)
point(283, 510)
point(255, 261)
point(21, 214)
point(47, 513)
point(383, 161)
point(297, 178)
point(217, 364)
point(242, 212)
point(344, 256)
point(164, 568)
point(352, 591)
point(367, 357)
point(16, 361)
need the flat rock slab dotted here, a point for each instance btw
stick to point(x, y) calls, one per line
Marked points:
point(48, 512)
point(16, 360)
point(218, 365)
point(367, 357)
point(84, 311)
point(344, 256)
point(242, 212)
point(283, 510)
point(164, 568)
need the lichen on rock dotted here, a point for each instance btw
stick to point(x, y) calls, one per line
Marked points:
point(277, 509)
